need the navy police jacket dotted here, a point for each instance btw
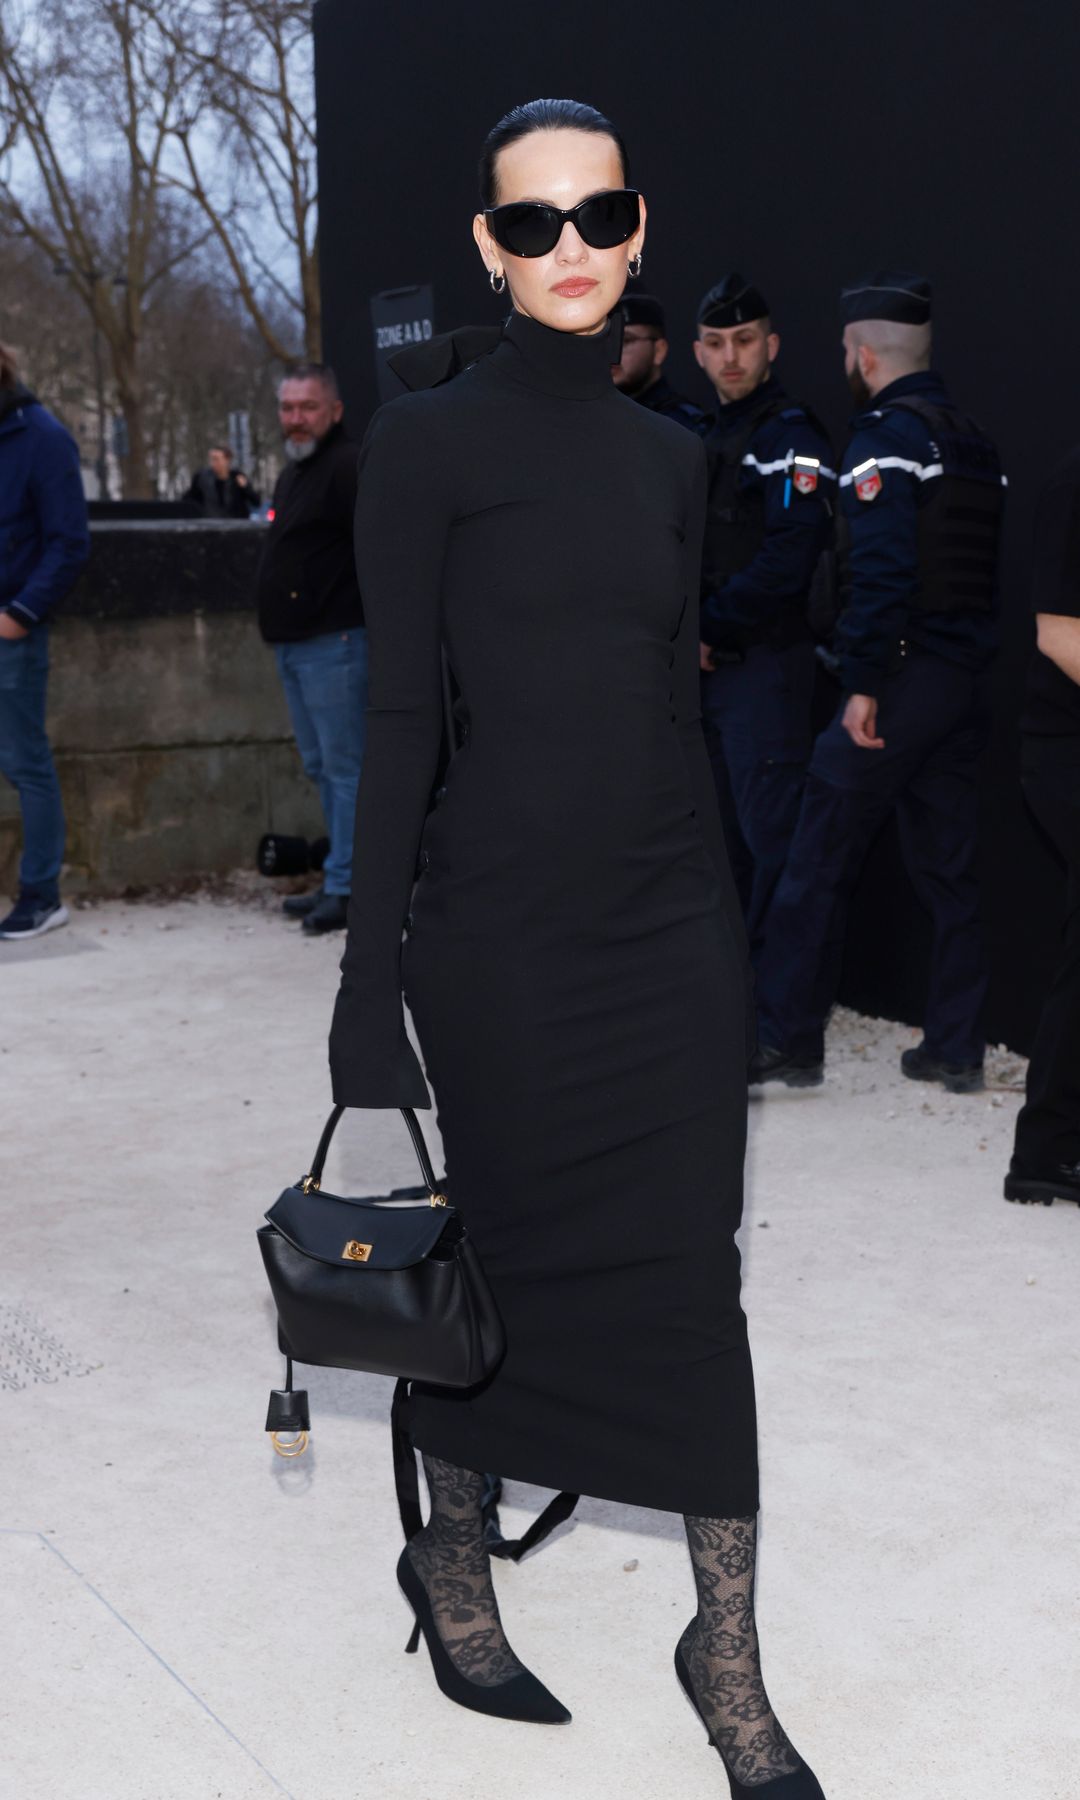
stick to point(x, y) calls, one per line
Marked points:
point(661, 397)
point(772, 489)
point(44, 540)
point(895, 479)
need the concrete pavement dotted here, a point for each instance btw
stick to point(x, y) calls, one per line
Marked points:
point(183, 1616)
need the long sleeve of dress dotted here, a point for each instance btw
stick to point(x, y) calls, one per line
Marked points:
point(402, 518)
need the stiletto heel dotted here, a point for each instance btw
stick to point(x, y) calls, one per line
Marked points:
point(522, 1697)
point(414, 1641)
point(801, 1784)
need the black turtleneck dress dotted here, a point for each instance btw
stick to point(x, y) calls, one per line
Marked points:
point(573, 953)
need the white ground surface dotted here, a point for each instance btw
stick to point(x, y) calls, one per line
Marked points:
point(185, 1617)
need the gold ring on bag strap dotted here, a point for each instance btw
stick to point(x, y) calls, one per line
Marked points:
point(296, 1448)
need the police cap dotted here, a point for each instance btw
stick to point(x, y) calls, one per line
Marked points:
point(894, 294)
point(643, 309)
point(733, 301)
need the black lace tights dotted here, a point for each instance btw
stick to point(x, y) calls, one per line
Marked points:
point(721, 1649)
point(720, 1644)
point(452, 1561)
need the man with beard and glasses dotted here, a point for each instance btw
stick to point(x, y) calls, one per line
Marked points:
point(639, 373)
point(769, 518)
point(310, 611)
point(921, 498)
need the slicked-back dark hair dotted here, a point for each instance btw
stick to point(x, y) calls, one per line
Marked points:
point(542, 115)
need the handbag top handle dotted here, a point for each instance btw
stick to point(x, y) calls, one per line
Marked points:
point(314, 1179)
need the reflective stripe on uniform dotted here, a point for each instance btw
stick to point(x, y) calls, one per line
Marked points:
point(781, 466)
point(922, 471)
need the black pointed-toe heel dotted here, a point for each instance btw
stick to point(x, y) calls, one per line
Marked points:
point(522, 1697)
point(801, 1784)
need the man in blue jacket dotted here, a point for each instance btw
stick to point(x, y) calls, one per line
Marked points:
point(921, 499)
point(45, 543)
point(769, 518)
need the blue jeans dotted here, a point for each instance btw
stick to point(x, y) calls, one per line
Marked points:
point(26, 760)
point(325, 682)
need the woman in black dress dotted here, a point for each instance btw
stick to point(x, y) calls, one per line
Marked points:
point(574, 957)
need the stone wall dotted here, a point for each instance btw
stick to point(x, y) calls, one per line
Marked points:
point(168, 723)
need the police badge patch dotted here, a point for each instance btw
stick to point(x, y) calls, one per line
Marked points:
point(867, 479)
point(804, 474)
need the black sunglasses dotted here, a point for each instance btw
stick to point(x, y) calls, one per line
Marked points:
point(529, 228)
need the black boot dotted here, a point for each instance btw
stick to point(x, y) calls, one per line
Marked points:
point(719, 1665)
point(445, 1574)
point(297, 906)
point(1059, 1183)
point(330, 914)
point(958, 1078)
point(769, 1064)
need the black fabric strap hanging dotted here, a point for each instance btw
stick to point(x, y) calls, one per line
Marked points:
point(407, 1484)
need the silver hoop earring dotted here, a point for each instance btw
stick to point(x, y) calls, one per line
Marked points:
point(498, 282)
point(635, 266)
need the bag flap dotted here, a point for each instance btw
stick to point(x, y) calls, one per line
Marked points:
point(360, 1234)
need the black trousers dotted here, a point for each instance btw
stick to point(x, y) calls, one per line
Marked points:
point(933, 718)
point(756, 718)
point(1048, 1128)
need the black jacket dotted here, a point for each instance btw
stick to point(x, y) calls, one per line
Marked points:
point(879, 523)
point(661, 397)
point(307, 577)
point(222, 499)
point(1052, 705)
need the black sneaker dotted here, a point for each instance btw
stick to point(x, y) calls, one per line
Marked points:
point(1062, 1183)
point(768, 1064)
point(328, 915)
point(297, 906)
point(30, 918)
point(958, 1078)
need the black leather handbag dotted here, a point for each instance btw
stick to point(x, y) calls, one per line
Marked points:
point(382, 1284)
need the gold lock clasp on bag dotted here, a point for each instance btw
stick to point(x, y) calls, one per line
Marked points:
point(354, 1252)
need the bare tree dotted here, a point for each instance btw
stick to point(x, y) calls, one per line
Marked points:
point(203, 355)
point(244, 147)
point(209, 361)
point(89, 93)
point(57, 364)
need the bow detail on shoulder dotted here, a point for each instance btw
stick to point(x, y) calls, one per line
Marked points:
point(441, 358)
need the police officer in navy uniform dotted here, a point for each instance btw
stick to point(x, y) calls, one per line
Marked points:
point(921, 498)
point(640, 373)
point(770, 505)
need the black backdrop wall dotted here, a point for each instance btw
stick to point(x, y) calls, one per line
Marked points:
point(802, 144)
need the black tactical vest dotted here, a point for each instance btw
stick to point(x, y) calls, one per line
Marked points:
point(734, 519)
point(959, 527)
